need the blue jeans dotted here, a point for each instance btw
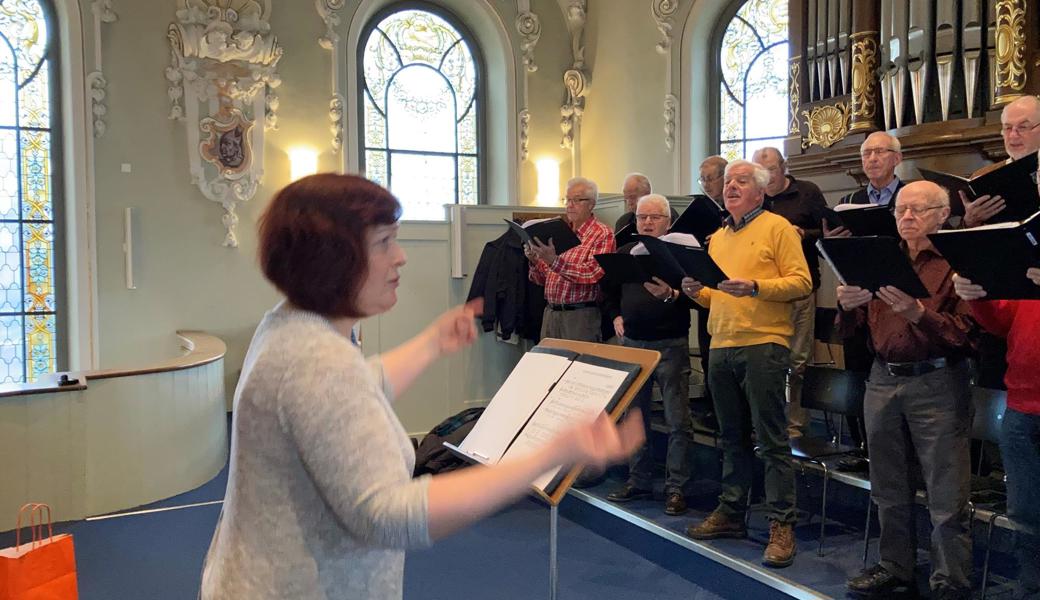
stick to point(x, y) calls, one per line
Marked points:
point(1020, 450)
point(672, 376)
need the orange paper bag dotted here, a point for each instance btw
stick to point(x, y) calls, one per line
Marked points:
point(43, 568)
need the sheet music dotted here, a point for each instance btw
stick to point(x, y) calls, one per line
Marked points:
point(581, 394)
point(513, 404)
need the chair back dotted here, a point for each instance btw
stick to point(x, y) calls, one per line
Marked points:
point(989, 413)
point(833, 390)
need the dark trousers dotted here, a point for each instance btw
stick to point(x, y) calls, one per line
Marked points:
point(1020, 449)
point(931, 414)
point(703, 342)
point(748, 389)
point(672, 376)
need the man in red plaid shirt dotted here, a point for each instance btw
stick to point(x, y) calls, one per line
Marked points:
point(571, 278)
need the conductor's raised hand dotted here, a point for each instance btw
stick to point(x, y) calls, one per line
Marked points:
point(967, 290)
point(543, 252)
point(981, 210)
point(599, 443)
point(456, 328)
point(738, 287)
point(853, 296)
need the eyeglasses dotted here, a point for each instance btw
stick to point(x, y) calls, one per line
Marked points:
point(867, 152)
point(576, 200)
point(654, 218)
point(1020, 129)
point(703, 180)
point(914, 210)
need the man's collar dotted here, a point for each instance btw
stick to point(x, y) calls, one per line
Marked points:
point(892, 185)
point(747, 218)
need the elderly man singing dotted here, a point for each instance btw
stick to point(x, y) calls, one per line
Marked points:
point(750, 324)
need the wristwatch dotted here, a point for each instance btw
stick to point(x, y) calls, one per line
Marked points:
point(672, 295)
point(754, 292)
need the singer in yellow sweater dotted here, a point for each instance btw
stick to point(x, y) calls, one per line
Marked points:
point(750, 323)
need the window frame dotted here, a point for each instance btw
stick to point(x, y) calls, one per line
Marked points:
point(480, 96)
point(57, 112)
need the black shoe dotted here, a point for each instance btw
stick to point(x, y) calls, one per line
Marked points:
point(589, 478)
point(854, 464)
point(877, 581)
point(675, 504)
point(629, 492)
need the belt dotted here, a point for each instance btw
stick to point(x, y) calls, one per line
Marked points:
point(910, 369)
point(573, 305)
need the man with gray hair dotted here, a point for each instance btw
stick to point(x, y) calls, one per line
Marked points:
point(570, 279)
point(918, 400)
point(654, 316)
point(634, 187)
point(750, 323)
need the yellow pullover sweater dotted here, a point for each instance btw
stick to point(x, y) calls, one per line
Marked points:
point(768, 251)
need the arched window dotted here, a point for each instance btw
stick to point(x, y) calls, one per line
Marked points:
point(421, 110)
point(30, 275)
point(753, 88)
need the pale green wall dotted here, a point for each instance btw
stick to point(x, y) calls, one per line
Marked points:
point(186, 279)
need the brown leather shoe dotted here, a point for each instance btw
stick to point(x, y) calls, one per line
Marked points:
point(781, 549)
point(674, 504)
point(717, 525)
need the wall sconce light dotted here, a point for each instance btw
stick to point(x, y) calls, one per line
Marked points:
point(548, 182)
point(303, 161)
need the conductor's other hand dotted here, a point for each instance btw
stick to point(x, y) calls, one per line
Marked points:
point(852, 296)
point(456, 328)
point(600, 443)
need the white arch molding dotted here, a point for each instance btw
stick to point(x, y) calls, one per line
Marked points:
point(500, 149)
point(696, 63)
point(77, 128)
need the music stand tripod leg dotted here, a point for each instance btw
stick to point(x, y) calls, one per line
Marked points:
point(554, 580)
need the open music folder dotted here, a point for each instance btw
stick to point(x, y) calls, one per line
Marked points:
point(556, 229)
point(995, 256)
point(871, 263)
point(862, 219)
point(1013, 182)
point(551, 389)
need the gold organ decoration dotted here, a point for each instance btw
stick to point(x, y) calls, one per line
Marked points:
point(1011, 48)
point(864, 83)
point(794, 96)
point(827, 125)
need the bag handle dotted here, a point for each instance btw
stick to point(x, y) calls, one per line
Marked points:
point(37, 513)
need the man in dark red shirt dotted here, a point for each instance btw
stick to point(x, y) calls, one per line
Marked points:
point(918, 399)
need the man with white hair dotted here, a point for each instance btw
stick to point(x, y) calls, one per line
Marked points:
point(634, 187)
point(655, 316)
point(750, 323)
point(570, 279)
point(918, 400)
point(1020, 128)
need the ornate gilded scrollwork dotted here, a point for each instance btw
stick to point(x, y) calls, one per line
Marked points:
point(1011, 46)
point(864, 82)
point(794, 94)
point(827, 125)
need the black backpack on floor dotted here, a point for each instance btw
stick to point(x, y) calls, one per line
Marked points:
point(432, 456)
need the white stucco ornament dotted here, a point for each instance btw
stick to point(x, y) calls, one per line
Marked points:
point(222, 78)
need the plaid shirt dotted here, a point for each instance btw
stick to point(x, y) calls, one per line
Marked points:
point(573, 276)
point(750, 216)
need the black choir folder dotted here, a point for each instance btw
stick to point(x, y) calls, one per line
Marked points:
point(672, 262)
point(701, 218)
point(1013, 182)
point(556, 229)
point(621, 268)
point(871, 263)
point(995, 256)
point(556, 385)
point(862, 219)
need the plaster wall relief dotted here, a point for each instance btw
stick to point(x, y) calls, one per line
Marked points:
point(328, 10)
point(103, 13)
point(575, 82)
point(663, 14)
point(221, 86)
point(530, 29)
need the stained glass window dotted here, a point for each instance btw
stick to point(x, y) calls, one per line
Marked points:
point(28, 299)
point(753, 91)
point(419, 97)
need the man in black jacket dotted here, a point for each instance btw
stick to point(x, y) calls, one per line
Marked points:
point(655, 316)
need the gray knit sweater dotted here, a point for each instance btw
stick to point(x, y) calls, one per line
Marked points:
point(320, 499)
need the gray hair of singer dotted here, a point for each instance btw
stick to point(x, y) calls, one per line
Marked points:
point(641, 180)
point(657, 199)
point(893, 141)
point(760, 173)
point(586, 183)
